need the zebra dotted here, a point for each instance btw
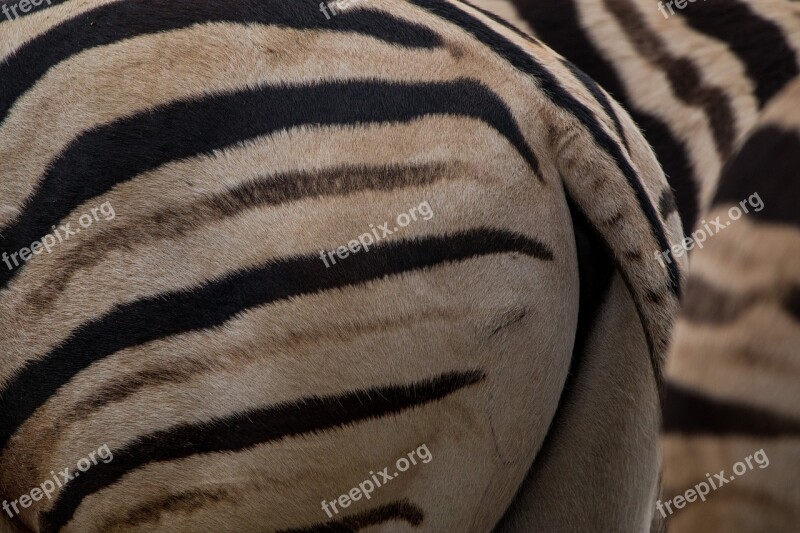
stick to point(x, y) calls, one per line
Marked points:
point(237, 381)
point(731, 382)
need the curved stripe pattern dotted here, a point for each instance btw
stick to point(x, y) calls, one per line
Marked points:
point(683, 75)
point(269, 190)
point(769, 59)
point(108, 155)
point(587, 82)
point(219, 301)
point(553, 90)
point(116, 22)
point(252, 428)
point(601, 98)
point(98, 160)
point(557, 23)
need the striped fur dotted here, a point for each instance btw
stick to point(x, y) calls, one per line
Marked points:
point(733, 370)
point(237, 380)
point(694, 82)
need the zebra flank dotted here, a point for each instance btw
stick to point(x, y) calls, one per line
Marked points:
point(216, 303)
point(118, 21)
point(282, 108)
point(763, 44)
point(251, 428)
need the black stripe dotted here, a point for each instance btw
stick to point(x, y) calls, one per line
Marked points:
point(563, 99)
point(767, 164)
point(689, 412)
point(503, 22)
point(131, 18)
point(219, 301)
point(791, 302)
point(8, 14)
point(601, 98)
point(255, 427)
point(683, 75)
point(108, 155)
point(666, 204)
point(399, 510)
point(587, 82)
point(558, 24)
point(266, 190)
point(706, 304)
point(759, 43)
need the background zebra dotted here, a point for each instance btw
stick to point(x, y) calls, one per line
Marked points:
point(732, 373)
